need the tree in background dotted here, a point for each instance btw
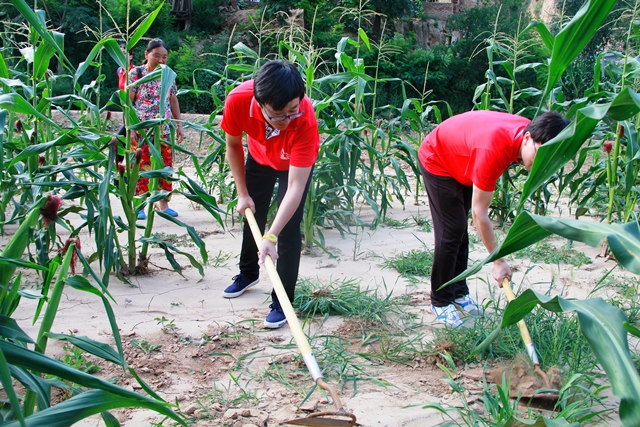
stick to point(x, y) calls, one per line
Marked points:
point(206, 16)
point(392, 9)
point(137, 9)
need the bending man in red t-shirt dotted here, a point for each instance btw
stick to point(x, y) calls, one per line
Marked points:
point(461, 161)
point(283, 144)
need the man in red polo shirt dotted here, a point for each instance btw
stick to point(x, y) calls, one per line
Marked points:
point(461, 161)
point(283, 144)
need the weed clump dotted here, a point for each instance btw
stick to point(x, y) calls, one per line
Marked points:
point(413, 263)
point(549, 254)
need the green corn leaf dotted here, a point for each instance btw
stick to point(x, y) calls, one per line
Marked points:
point(631, 329)
point(82, 284)
point(17, 104)
point(563, 148)
point(54, 300)
point(192, 232)
point(144, 385)
point(3, 120)
point(7, 384)
point(486, 342)
point(172, 260)
point(96, 348)
point(166, 82)
point(4, 74)
point(167, 252)
point(527, 229)
point(364, 38)
point(10, 329)
point(34, 383)
point(19, 242)
point(545, 34)
point(37, 24)
point(243, 50)
point(43, 55)
point(21, 263)
point(113, 49)
point(109, 420)
point(22, 357)
point(148, 124)
point(164, 173)
point(111, 46)
point(572, 39)
point(93, 402)
point(602, 326)
point(142, 29)
point(152, 76)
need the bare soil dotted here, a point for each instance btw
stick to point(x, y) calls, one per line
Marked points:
point(212, 357)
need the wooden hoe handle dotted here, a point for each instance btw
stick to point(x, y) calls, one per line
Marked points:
point(292, 319)
point(524, 332)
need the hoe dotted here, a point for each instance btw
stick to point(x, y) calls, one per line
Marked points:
point(540, 392)
point(337, 418)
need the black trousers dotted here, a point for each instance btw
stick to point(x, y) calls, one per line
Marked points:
point(450, 203)
point(261, 181)
point(121, 132)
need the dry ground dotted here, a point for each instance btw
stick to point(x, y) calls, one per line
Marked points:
point(212, 356)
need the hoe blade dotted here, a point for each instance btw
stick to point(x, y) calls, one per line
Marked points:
point(320, 421)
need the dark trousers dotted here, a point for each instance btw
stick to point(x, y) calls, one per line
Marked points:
point(450, 203)
point(261, 181)
point(121, 132)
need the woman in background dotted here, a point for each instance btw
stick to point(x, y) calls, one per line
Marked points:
point(146, 100)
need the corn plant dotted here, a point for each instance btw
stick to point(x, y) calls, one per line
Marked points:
point(79, 160)
point(605, 327)
point(611, 180)
point(356, 153)
point(24, 359)
point(75, 162)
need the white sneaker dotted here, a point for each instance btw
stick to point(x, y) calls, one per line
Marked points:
point(469, 305)
point(447, 315)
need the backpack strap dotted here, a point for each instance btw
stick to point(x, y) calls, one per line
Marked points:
point(139, 75)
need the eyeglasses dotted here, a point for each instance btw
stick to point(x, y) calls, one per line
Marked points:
point(276, 119)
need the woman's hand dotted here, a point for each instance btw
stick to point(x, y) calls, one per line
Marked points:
point(179, 133)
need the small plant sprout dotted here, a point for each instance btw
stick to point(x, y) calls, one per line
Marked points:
point(167, 326)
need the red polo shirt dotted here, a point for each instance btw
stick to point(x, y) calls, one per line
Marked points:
point(474, 148)
point(297, 145)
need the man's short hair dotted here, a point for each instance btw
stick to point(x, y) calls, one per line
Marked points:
point(277, 83)
point(546, 126)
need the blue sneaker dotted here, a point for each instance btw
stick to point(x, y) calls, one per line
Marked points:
point(142, 215)
point(276, 318)
point(240, 284)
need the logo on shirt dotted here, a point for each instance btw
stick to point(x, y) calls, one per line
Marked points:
point(284, 155)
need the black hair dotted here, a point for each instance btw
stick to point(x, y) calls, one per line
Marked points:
point(154, 43)
point(277, 83)
point(546, 126)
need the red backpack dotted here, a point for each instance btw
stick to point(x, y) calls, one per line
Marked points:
point(122, 76)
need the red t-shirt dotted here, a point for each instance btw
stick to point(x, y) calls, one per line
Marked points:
point(474, 148)
point(297, 145)
point(122, 76)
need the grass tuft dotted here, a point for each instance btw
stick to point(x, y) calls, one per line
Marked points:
point(346, 298)
point(549, 254)
point(416, 262)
